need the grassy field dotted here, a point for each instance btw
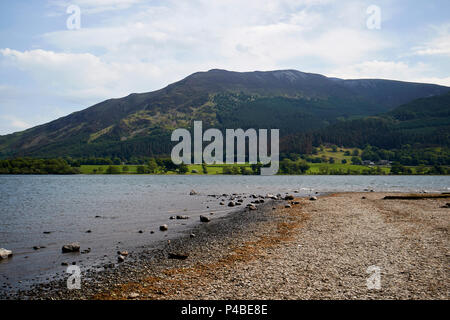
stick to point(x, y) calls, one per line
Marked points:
point(338, 156)
point(91, 169)
point(315, 168)
point(132, 169)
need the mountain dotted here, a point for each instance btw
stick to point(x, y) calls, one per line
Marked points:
point(424, 121)
point(140, 124)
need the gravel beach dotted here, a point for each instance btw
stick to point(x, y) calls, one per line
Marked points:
point(318, 249)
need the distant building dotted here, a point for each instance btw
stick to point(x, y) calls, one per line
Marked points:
point(384, 162)
point(368, 163)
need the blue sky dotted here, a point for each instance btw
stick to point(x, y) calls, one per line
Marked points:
point(124, 46)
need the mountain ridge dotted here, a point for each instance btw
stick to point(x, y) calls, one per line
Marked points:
point(291, 99)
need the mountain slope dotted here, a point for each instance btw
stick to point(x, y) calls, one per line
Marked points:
point(140, 124)
point(424, 121)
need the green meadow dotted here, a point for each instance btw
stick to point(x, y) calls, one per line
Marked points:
point(325, 161)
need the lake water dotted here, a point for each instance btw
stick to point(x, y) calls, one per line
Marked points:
point(67, 206)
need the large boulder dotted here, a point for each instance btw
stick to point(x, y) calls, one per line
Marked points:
point(71, 247)
point(5, 254)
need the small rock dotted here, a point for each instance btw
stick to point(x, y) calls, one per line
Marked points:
point(47, 232)
point(64, 264)
point(313, 198)
point(222, 203)
point(5, 254)
point(181, 217)
point(204, 219)
point(231, 204)
point(36, 248)
point(193, 192)
point(88, 231)
point(172, 217)
point(288, 206)
point(164, 227)
point(289, 197)
point(133, 295)
point(178, 256)
point(140, 231)
point(192, 235)
point(121, 258)
point(122, 253)
point(295, 202)
point(71, 247)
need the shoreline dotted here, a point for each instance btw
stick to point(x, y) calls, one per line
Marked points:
point(252, 254)
point(154, 258)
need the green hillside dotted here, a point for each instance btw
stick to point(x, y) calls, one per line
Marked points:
point(297, 103)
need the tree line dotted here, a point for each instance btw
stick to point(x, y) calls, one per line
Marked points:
point(36, 166)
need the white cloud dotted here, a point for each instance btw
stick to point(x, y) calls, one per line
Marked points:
point(93, 6)
point(389, 70)
point(10, 123)
point(81, 77)
point(256, 34)
point(16, 123)
point(440, 45)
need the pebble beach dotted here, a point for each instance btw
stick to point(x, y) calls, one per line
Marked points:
point(310, 249)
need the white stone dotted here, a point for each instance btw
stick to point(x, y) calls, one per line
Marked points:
point(5, 254)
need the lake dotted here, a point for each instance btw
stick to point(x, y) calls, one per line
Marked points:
point(116, 207)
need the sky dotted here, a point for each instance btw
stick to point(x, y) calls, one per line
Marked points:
point(51, 66)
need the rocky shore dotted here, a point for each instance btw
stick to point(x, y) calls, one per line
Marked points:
point(310, 248)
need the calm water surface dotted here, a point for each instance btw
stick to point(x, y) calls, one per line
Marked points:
point(67, 206)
